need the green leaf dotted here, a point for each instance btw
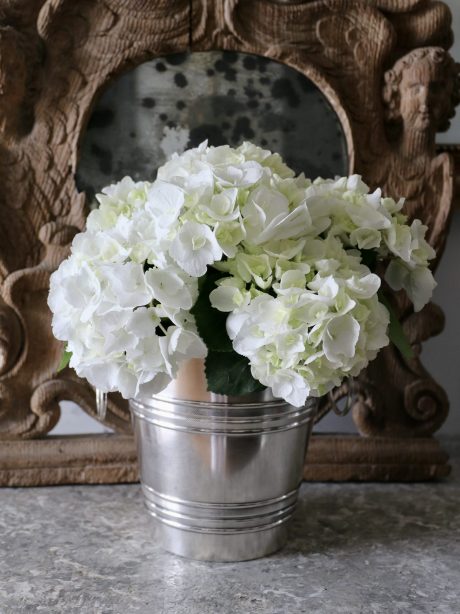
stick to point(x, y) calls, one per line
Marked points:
point(229, 373)
point(226, 371)
point(396, 332)
point(65, 359)
point(210, 322)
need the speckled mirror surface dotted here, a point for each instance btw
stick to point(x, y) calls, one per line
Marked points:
point(170, 104)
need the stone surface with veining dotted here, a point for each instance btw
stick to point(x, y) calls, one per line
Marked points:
point(354, 548)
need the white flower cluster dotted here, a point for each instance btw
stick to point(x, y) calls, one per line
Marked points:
point(112, 307)
point(302, 305)
point(370, 222)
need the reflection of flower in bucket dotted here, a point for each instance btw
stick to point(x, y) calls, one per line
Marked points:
point(225, 456)
point(217, 452)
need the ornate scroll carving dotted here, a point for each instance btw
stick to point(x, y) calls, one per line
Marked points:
point(427, 24)
point(55, 56)
point(398, 397)
point(66, 52)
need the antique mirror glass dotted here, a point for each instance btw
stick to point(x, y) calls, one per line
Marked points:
point(170, 104)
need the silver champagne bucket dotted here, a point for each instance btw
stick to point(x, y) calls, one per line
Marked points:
point(220, 474)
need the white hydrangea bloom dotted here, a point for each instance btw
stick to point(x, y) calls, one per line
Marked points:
point(340, 337)
point(313, 334)
point(172, 287)
point(110, 307)
point(417, 281)
point(230, 293)
point(121, 198)
point(164, 203)
point(302, 304)
point(229, 235)
point(194, 247)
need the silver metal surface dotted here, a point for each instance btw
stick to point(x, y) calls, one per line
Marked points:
point(221, 477)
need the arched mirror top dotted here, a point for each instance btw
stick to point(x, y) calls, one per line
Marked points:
point(171, 103)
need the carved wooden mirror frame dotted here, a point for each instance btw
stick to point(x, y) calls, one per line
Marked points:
point(56, 56)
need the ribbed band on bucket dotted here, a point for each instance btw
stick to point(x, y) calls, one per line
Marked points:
point(220, 518)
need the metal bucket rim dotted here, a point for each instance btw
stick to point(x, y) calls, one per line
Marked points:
point(208, 419)
point(220, 406)
point(233, 413)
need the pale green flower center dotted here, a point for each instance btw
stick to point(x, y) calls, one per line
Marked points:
point(198, 242)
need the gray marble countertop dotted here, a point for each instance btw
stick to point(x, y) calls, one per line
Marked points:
point(354, 548)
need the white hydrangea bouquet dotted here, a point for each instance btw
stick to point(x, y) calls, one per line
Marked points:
point(230, 257)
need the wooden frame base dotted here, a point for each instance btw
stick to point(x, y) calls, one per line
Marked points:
point(348, 458)
point(111, 459)
point(90, 459)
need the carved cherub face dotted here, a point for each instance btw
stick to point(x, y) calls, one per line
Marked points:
point(421, 90)
point(425, 96)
